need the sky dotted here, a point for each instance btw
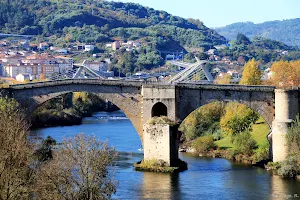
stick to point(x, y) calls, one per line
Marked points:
point(218, 13)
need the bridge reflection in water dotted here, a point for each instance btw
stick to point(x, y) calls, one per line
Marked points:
point(283, 189)
point(160, 186)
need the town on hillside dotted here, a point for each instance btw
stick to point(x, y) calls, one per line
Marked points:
point(23, 61)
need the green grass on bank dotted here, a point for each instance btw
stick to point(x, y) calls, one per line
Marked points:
point(260, 131)
point(224, 143)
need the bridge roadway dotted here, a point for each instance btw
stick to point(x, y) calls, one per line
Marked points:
point(122, 83)
point(141, 100)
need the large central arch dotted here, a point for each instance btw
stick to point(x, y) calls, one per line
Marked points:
point(269, 138)
point(260, 100)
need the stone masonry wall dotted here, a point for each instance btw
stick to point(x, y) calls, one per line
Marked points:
point(157, 142)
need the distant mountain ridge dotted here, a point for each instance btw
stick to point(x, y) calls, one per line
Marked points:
point(286, 31)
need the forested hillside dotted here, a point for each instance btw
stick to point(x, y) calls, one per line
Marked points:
point(286, 31)
point(101, 21)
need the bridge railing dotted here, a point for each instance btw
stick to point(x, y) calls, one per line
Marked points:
point(133, 83)
point(76, 81)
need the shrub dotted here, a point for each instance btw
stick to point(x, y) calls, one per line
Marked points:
point(262, 152)
point(44, 152)
point(203, 144)
point(293, 137)
point(289, 168)
point(273, 165)
point(244, 143)
point(160, 166)
point(161, 120)
point(217, 135)
point(203, 121)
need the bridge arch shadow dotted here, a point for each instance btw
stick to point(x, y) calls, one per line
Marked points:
point(190, 119)
point(159, 109)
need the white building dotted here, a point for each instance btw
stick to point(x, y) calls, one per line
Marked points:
point(43, 46)
point(108, 45)
point(23, 77)
point(170, 57)
point(116, 45)
point(98, 66)
point(62, 51)
point(89, 47)
point(35, 70)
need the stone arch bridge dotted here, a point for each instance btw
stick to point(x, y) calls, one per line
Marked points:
point(141, 100)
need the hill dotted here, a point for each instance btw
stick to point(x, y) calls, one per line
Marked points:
point(101, 21)
point(262, 49)
point(286, 31)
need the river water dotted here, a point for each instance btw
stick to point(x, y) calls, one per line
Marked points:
point(206, 178)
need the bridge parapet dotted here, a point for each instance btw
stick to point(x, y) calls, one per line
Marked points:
point(227, 87)
point(77, 81)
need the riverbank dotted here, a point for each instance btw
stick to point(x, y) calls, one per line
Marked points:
point(224, 147)
point(227, 154)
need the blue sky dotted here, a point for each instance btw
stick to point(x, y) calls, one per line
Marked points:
point(216, 13)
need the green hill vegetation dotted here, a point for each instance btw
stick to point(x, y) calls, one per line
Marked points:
point(286, 31)
point(65, 23)
point(100, 21)
point(262, 49)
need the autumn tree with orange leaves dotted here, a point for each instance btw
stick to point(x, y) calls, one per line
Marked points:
point(285, 74)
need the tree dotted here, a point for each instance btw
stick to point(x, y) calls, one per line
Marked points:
point(242, 39)
point(202, 121)
point(251, 74)
point(15, 152)
point(79, 170)
point(295, 76)
point(225, 79)
point(281, 73)
point(237, 118)
point(42, 76)
point(44, 152)
point(244, 143)
point(285, 74)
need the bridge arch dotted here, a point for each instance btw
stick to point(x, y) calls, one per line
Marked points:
point(265, 114)
point(159, 109)
point(126, 97)
point(265, 108)
point(268, 134)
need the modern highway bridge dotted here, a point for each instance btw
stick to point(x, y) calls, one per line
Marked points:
point(196, 72)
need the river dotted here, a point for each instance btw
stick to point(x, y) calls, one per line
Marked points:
point(206, 178)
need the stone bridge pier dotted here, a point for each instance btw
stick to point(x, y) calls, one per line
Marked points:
point(286, 110)
point(161, 141)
